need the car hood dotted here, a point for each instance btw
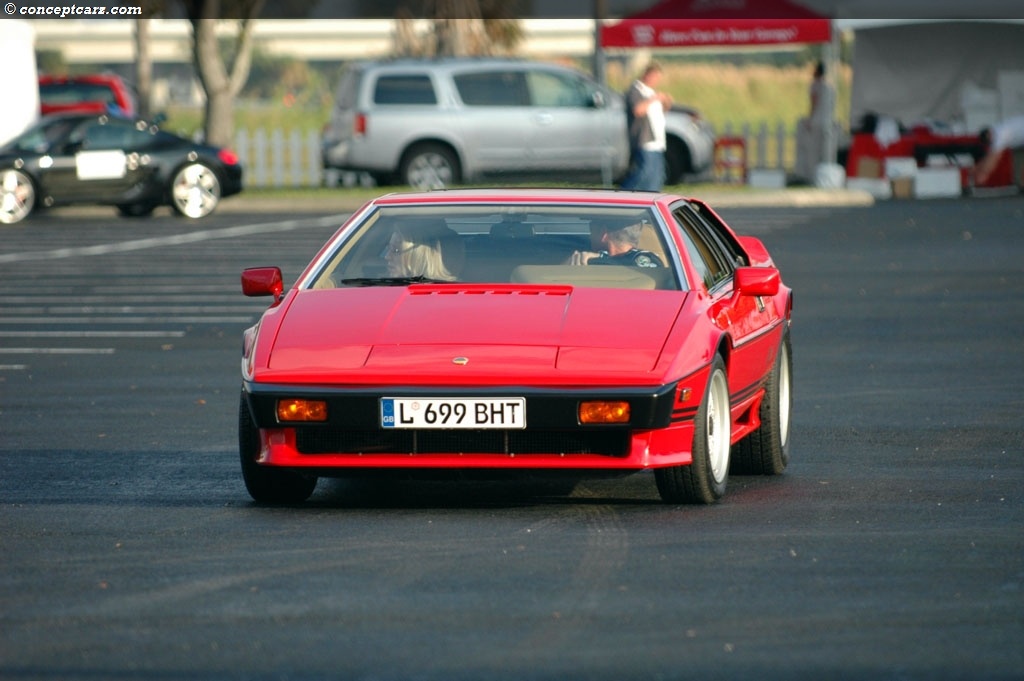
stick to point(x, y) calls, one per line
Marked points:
point(471, 334)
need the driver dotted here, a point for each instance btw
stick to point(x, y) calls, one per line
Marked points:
point(616, 245)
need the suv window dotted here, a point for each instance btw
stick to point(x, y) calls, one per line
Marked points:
point(493, 88)
point(554, 89)
point(404, 89)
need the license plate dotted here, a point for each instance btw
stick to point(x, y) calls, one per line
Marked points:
point(444, 412)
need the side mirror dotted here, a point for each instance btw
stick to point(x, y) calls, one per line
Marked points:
point(262, 281)
point(756, 281)
point(597, 99)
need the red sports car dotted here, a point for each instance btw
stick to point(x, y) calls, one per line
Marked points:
point(581, 331)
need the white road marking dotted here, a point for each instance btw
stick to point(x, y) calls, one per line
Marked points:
point(92, 334)
point(171, 240)
point(56, 351)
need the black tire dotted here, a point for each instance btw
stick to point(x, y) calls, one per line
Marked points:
point(704, 481)
point(430, 166)
point(677, 161)
point(265, 484)
point(766, 450)
point(17, 196)
point(136, 210)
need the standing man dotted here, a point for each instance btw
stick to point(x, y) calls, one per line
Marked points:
point(1008, 134)
point(645, 115)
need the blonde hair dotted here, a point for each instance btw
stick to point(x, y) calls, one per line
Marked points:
point(422, 257)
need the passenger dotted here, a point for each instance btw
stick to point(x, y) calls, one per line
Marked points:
point(616, 245)
point(431, 253)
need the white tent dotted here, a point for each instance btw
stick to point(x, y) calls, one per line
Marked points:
point(968, 73)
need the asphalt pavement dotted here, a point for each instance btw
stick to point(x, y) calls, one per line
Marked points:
point(891, 549)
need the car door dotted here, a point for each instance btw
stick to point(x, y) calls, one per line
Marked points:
point(496, 123)
point(98, 161)
point(576, 126)
point(715, 257)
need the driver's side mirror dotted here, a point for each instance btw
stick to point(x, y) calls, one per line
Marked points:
point(597, 99)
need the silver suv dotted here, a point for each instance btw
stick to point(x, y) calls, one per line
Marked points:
point(431, 124)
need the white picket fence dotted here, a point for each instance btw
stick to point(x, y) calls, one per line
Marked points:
point(291, 158)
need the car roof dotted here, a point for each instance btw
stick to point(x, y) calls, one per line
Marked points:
point(452, 63)
point(527, 195)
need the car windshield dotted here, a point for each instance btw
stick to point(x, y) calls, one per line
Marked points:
point(43, 135)
point(576, 245)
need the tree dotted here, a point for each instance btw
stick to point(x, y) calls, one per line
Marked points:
point(459, 28)
point(143, 67)
point(221, 79)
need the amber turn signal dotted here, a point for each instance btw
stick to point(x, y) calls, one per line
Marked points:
point(604, 412)
point(301, 410)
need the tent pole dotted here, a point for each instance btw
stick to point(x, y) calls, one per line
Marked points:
point(599, 61)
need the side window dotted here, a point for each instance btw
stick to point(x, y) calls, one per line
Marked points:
point(106, 136)
point(404, 89)
point(712, 263)
point(553, 89)
point(492, 88)
point(722, 236)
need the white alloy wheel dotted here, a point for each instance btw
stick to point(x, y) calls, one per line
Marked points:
point(195, 191)
point(785, 399)
point(17, 196)
point(718, 426)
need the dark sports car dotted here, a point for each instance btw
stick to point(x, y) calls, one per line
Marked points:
point(491, 330)
point(103, 159)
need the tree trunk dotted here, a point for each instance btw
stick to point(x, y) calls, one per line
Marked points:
point(221, 85)
point(143, 67)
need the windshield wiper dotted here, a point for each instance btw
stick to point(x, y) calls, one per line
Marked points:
point(390, 281)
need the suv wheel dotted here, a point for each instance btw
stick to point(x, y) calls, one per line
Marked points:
point(677, 161)
point(430, 166)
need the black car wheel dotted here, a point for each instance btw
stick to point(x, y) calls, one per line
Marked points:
point(677, 161)
point(430, 166)
point(136, 210)
point(17, 196)
point(704, 480)
point(195, 190)
point(766, 450)
point(265, 484)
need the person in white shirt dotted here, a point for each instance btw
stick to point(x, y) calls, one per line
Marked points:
point(645, 115)
point(1007, 134)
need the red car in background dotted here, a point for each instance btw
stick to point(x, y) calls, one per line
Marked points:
point(98, 93)
point(489, 330)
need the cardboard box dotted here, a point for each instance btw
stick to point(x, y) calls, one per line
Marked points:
point(903, 188)
point(936, 183)
point(869, 167)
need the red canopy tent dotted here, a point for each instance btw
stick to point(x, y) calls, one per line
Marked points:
point(701, 23)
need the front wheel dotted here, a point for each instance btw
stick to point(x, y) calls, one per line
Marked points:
point(703, 481)
point(430, 166)
point(17, 196)
point(265, 484)
point(195, 191)
point(766, 450)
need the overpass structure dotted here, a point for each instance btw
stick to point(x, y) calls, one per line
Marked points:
point(111, 42)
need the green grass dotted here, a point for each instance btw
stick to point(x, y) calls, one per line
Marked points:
point(725, 94)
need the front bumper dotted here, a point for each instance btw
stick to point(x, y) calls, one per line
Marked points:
point(660, 432)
